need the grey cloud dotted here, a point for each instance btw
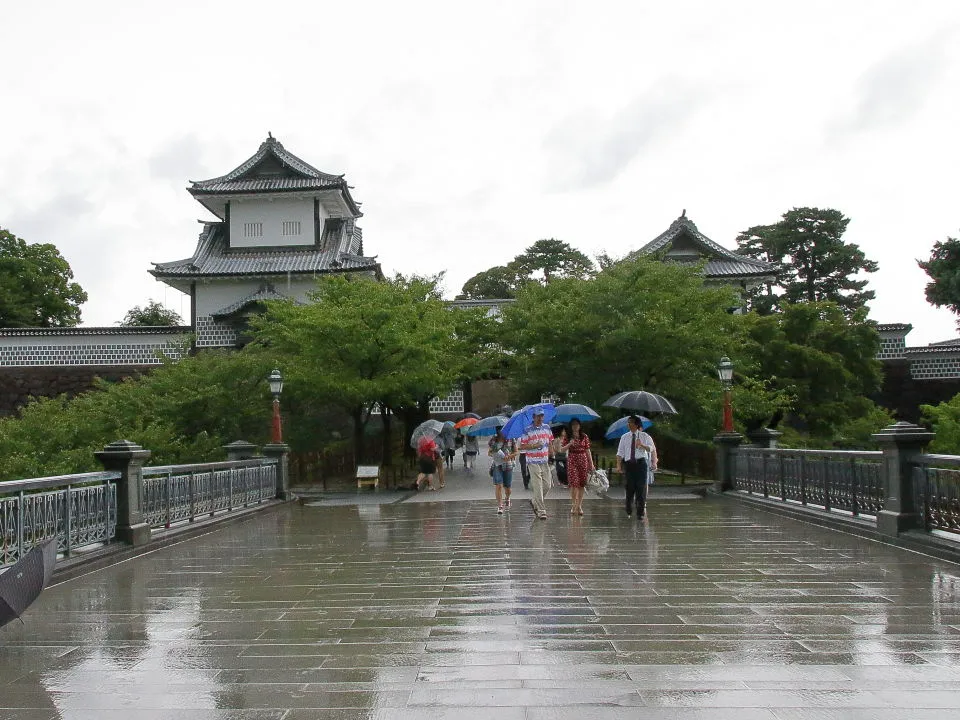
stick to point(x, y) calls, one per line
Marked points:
point(175, 160)
point(895, 88)
point(50, 221)
point(588, 150)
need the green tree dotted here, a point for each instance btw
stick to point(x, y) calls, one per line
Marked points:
point(821, 358)
point(639, 324)
point(183, 411)
point(944, 420)
point(362, 344)
point(943, 267)
point(36, 286)
point(815, 263)
point(544, 261)
point(152, 315)
point(496, 283)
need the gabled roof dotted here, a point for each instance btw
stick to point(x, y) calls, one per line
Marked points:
point(273, 169)
point(213, 258)
point(266, 292)
point(695, 246)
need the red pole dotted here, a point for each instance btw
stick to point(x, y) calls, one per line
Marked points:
point(276, 436)
point(727, 412)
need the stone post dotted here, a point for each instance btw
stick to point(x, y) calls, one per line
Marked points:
point(240, 450)
point(764, 437)
point(725, 443)
point(128, 458)
point(901, 444)
point(281, 452)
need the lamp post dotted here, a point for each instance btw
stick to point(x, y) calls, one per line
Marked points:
point(725, 371)
point(275, 380)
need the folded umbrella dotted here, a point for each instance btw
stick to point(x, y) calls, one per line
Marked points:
point(523, 418)
point(643, 401)
point(619, 427)
point(574, 411)
point(487, 426)
point(23, 581)
point(428, 428)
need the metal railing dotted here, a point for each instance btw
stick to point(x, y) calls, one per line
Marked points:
point(835, 480)
point(176, 493)
point(936, 486)
point(79, 510)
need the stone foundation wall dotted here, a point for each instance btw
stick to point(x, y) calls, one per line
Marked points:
point(19, 384)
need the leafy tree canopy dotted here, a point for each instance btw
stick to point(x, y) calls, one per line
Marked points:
point(816, 264)
point(639, 324)
point(36, 285)
point(152, 315)
point(824, 360)
point(943, 267)
point(543, 262)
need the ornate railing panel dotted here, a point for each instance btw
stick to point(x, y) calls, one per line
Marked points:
point(79, 510)
point(175, 493)
point(936, 485)
point(848, 481)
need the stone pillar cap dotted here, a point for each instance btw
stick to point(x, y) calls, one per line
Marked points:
point(903, 431)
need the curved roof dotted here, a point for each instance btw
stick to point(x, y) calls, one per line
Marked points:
point(683, 241)
point(213, 258)
point(273, 169)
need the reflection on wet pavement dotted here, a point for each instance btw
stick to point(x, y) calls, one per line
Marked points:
point(445, 610)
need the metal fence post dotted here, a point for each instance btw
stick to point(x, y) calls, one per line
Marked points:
point(281, 452)
point(726, 445)
point(901, 443)
point(128, 458)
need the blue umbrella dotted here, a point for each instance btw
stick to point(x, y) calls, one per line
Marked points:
point(620, 427)
point(523, 418)
point(487, 426)
point(574, 411)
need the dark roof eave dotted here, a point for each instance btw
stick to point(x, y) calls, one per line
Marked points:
point(261, 273)
point(341, 186)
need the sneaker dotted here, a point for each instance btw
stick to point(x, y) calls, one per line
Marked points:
point(500, 510)
point(542, 516)
point(629, 514)
point(508, 504)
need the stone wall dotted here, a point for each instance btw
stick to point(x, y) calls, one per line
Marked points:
point(19, 384)
point(903, 394)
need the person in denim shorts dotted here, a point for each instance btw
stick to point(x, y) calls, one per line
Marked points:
point(504, 454)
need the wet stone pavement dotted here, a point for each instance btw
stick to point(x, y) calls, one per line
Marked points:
point(433, 606)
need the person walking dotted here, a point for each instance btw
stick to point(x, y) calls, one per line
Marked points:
point(536, 444)
point(579, 465)
point(427, 458)
point(504, 454)
point(632, 453)
point(471, 448)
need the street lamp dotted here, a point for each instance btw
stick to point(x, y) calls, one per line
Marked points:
point(275, 380)
point(725, 371)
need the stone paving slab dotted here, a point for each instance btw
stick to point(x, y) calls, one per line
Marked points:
point(436, 607)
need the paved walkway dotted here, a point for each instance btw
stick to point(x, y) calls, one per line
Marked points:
point(415, 608)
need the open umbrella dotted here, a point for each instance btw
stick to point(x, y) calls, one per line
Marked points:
point(23, 581)
point(471, 415)
point(465, 423)
point(619, 427)
point(643, 401)
point(428, 428)
point(574, 411)
point(487, 426)
point(523, 418)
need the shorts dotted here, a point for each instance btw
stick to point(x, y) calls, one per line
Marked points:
point(428, 466)
point(503, 477)
point(470, 453)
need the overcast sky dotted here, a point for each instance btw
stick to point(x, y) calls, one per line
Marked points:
point(471, 130)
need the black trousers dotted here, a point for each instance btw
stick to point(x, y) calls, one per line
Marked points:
point(635, 478)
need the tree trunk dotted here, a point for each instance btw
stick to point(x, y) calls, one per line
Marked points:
point(358, 425)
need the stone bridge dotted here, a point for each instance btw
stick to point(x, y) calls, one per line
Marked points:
point(392, 605)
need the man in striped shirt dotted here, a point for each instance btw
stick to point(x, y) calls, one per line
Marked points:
point(536, 444)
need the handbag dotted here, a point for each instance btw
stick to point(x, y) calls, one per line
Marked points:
point(598, 482)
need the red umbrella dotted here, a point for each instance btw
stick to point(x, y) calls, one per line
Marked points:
point(466, 422)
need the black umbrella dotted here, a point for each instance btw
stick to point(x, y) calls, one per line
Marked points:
point(21, 584)
point(642, 400)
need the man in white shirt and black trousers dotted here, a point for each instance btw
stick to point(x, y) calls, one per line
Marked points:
point(632, 456)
